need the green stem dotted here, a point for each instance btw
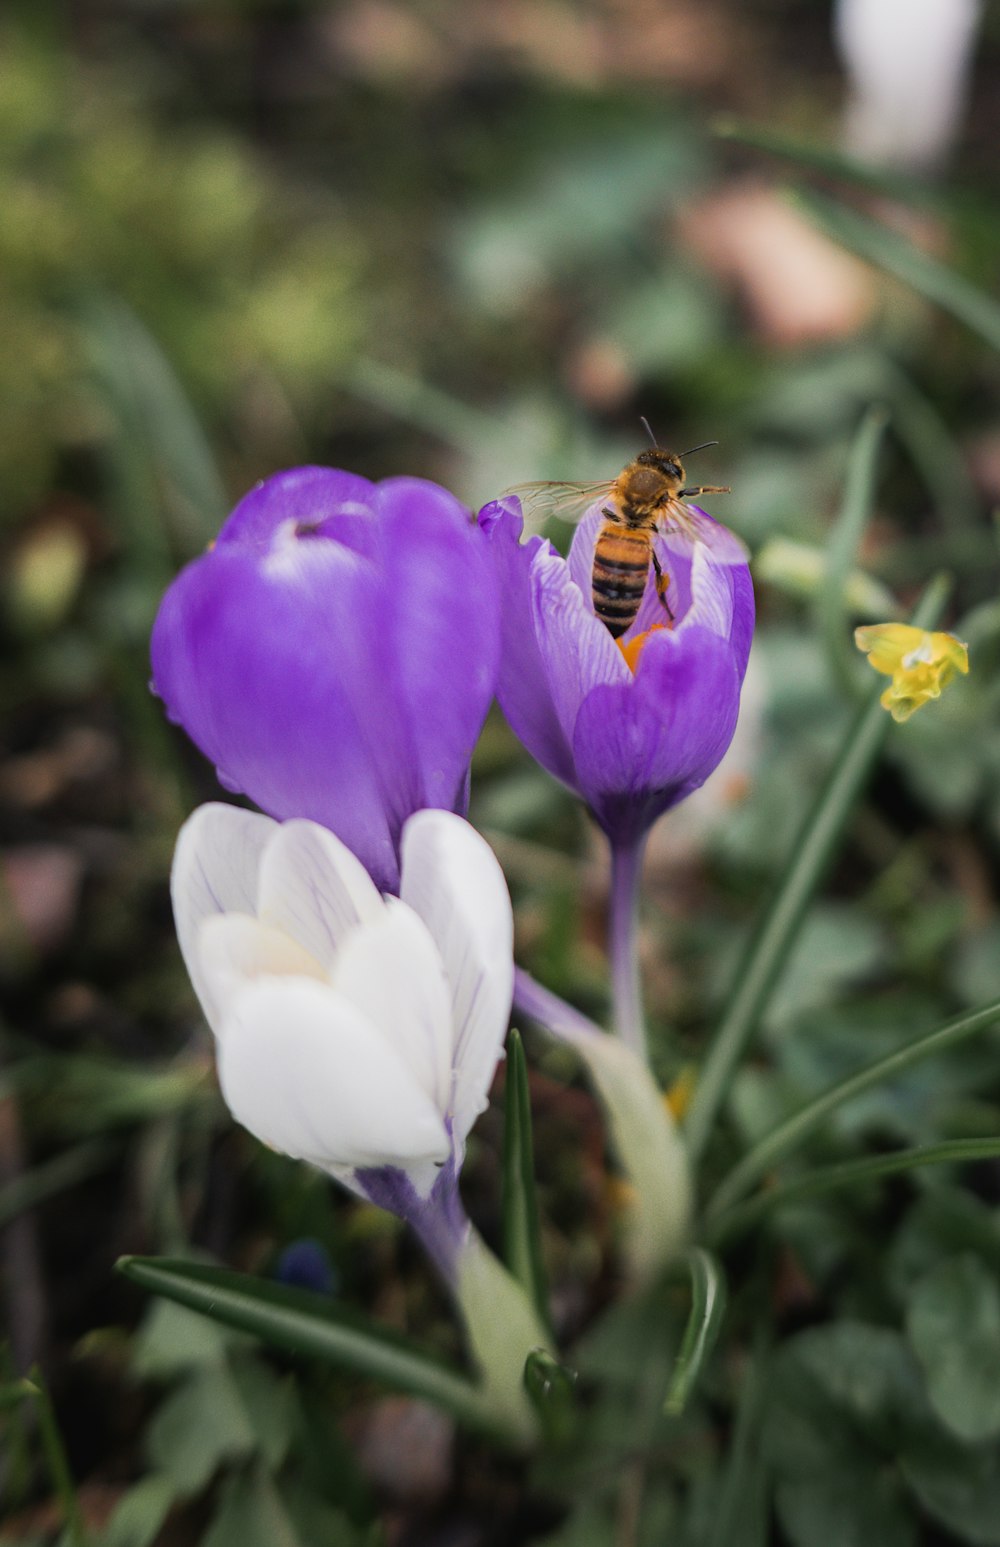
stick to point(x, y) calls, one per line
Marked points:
point(623, 944)
point(777, 931)
point(810, 1117)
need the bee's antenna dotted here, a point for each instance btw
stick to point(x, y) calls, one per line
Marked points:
point(699, 448)
point(645, 424)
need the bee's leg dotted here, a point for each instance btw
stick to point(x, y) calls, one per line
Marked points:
point(706, 488)
point(662, 584)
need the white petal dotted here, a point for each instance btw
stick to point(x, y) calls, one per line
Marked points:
point(711, 596)
point(215, 870)
point(234, 951)
point(393, 972)
point(313, 888)
point(311, 1076)
point(450, 876)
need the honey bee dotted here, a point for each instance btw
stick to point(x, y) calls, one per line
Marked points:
point(645, 499)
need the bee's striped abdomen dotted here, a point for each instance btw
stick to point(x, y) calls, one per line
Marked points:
point(621, 566)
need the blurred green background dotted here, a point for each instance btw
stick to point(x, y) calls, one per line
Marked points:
point(475, 242)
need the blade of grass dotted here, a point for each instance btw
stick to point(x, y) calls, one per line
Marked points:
point(848, 1173)
point(743, 1493)
point(161, 449)
point(889, 251)
point(845, 537)
point(776, 933)
point(781, 1140)
point(311, 1326)
point(814, 157)
point(521, 1237)
point(55, 1456)
point(51, 1177)
point(704, 1323)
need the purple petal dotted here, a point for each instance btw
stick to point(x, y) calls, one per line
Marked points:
point(523, 686)
point(641, 748)
point(335, 654)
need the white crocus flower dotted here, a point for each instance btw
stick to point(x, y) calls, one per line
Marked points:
point(908, 65)
point(354, 1031)
point(360, 1032)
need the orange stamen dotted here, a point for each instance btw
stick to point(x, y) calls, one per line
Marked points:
point(633, 649)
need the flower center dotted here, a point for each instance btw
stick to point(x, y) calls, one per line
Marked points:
point(632, 650)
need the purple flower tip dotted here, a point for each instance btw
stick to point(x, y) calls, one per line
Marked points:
point(632, 725)
point(335, 652)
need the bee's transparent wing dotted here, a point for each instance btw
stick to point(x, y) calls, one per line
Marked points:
point(566, 501)
point(681, 526)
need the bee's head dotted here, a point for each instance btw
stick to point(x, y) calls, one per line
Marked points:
point(664, 462)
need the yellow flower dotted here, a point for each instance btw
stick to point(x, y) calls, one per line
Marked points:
point(920, 664)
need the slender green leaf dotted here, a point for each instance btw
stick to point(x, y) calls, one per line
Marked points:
point(161, 447)
point(522, 1247)
point(892, 252)
point(311, 1326)
point(57, 1460)
point(845, 537)
point(708, 1304)
point(847, 1174)
point(808, 1118)
point(742, 1500)
point(776, 934)
point(823, 158)
point(52, 1176)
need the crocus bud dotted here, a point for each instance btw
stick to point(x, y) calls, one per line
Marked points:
point(632, 725)
point(354, 1031)
point(335, 653)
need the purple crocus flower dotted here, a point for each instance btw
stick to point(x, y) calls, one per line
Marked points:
point(632, 725)
point(335, 653)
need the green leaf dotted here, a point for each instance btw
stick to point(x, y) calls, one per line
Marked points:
point(789, 1134)
point(822, 158)
point(172, 1340)
point(251, 1514)
point(522, 1248)
point(957, 1484)
point(769, 948)
point(740, 1513)
point(953, 1322)
point(850, 1173)
point(160, 446)
point(708, 1304)
point(838, 1399)
point(845, 538)
point(943, 1222)
point(890, 251)
point(309, 1325)
point(200, 1425)
point(53, 1176)
point(140, 1513)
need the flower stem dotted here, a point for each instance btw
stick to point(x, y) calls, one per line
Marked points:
point(623, 943)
